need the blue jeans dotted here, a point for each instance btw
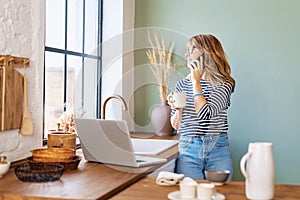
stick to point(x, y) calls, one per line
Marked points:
point(200, 153)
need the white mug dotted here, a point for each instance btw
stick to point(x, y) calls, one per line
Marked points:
point(179, 99)
point(205, 191)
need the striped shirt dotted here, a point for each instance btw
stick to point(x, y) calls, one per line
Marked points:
point(212, 117)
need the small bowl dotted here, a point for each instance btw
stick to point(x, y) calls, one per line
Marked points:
point(217, 177)
point(4, 167)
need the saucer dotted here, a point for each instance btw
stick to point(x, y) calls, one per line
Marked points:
point(177, 196)
point(219, 196)
point(217, 183)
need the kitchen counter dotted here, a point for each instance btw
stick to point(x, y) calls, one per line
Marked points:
point(89, 181)
point(149, 190)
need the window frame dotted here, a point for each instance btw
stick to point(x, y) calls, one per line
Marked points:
point(81, 54)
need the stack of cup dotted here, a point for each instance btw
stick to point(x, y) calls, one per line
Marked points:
point(190, 189)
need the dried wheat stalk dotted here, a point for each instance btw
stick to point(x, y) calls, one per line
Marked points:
point(160, 63)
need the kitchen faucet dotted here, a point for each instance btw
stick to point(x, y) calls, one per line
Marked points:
point(116, 96)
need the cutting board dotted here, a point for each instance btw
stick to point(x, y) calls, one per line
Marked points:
point(11, 98)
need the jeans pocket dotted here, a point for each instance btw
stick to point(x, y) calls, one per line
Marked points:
point(222, 141)
point(184, 143)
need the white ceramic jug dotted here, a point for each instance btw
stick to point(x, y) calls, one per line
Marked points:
point(257, 167)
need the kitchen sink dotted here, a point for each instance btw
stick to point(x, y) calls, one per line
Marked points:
point(151, 146)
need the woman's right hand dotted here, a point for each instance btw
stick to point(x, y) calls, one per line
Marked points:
point(196, 68)
point(170, 100)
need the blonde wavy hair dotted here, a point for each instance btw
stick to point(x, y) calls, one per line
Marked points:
point(216, 66)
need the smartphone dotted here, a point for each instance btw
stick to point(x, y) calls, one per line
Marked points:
point(199, 59)
point(203, 57)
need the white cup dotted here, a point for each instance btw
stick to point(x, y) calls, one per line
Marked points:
point(179, 99)
point(188, 188)
point(205, 191)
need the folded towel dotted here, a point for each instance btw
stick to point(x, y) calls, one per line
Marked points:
point(168, 178)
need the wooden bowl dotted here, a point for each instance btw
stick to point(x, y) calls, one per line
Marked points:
point(68, 165)
point(52, 154)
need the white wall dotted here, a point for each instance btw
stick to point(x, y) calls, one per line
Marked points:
point(117, 57)
point(263, 51)
point(22, 34)
point(22, 28)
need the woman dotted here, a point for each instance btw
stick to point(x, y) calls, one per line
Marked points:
point(202, 123)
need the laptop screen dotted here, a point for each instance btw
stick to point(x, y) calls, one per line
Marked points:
point(106, 141)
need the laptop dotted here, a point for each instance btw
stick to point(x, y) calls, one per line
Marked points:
point(108, 141)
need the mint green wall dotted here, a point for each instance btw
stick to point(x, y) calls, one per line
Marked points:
point(261, 39)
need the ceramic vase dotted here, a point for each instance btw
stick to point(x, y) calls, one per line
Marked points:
point(160, 118)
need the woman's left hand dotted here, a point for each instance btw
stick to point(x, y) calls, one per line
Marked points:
point(196, 68)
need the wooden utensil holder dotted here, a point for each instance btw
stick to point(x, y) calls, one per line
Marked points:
point(61, 139)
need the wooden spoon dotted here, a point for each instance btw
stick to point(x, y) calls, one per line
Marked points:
point(27, 125)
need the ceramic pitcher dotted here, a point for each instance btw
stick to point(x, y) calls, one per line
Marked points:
point(257, 166)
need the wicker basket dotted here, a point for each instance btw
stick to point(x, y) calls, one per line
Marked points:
point(68, 165)
point(37, 172)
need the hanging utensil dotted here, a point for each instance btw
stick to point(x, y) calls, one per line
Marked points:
point(27, 124)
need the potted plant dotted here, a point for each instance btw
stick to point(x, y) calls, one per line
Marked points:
point(160, 64)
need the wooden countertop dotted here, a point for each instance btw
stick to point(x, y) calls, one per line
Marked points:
point(147, 189)
point(89, 181)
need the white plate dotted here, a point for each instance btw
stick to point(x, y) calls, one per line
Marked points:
point(177, 196)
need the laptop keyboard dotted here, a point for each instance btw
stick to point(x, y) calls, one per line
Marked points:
point(140, 161)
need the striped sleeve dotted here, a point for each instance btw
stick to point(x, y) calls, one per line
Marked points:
point(218, 101)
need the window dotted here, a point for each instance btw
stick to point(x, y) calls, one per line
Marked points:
point(72, 58)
